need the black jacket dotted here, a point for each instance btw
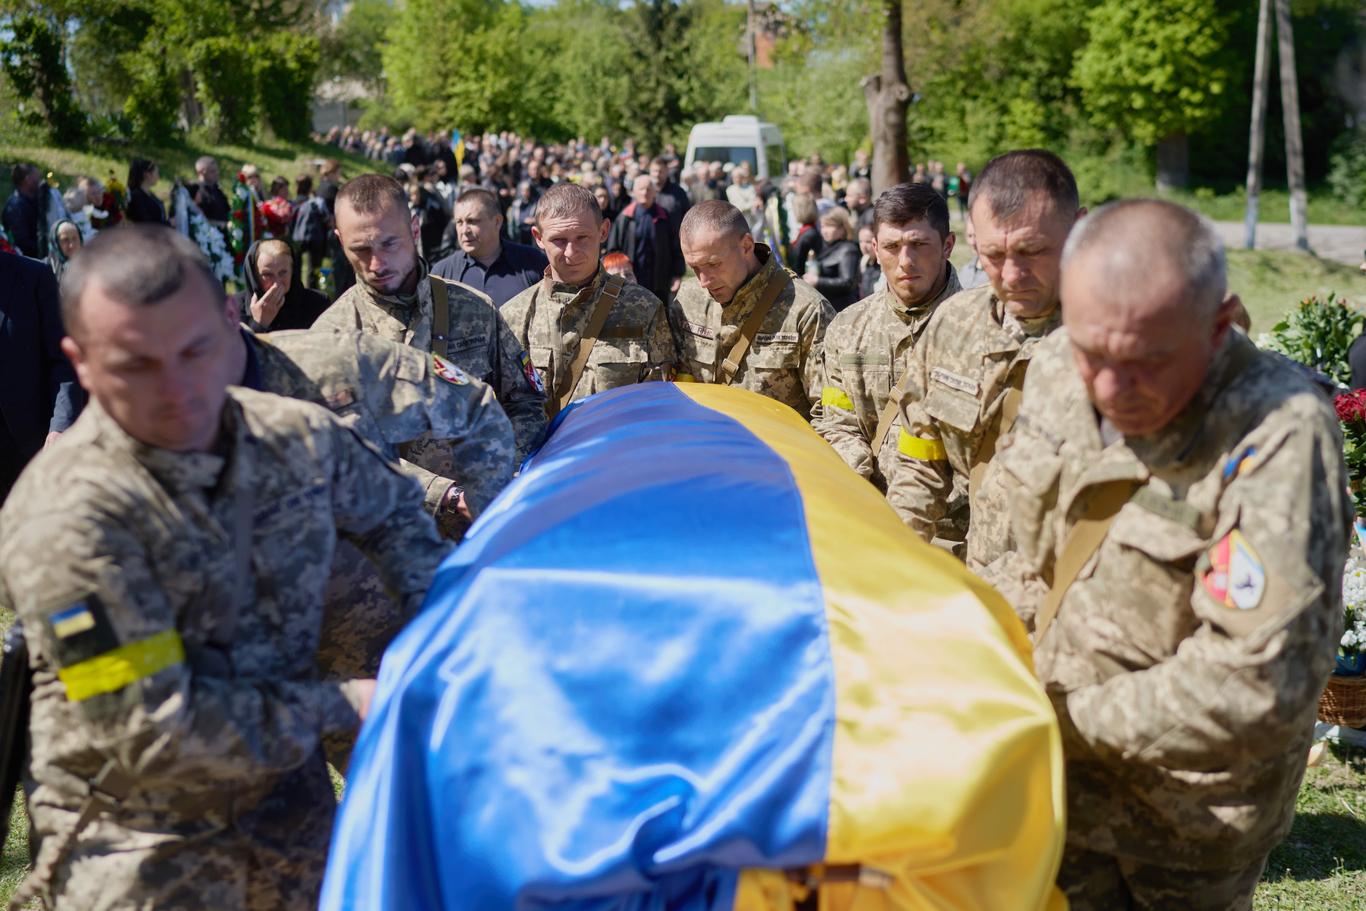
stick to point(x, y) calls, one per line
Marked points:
point(808, 241)
point(302, 305)
point(144, 207)
point(839, 273)
point(33, 370)
point(668, 257)
point(21, 219)
point(517, 266)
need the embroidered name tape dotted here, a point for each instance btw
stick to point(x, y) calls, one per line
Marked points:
point(955, 381)
point(777, 338)
point(702, 331)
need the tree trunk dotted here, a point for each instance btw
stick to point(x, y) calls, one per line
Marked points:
point(1257, 130)
point(888, 96)
point(1173, 162)
point(1294, 144)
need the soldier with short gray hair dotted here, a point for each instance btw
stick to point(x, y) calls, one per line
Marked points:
point(1181, 517)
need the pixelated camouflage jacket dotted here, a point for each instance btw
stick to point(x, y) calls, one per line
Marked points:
point(157, 650)
point(479, 343)
point(783, 361)
point(448, 425)
point(867, 350)
point(1187, 657)
point(962, 373)
point(550, 318)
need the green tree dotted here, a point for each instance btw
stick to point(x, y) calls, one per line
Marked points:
point(33, 60)
point(225, 81)
point(285, 76)
point(457, 63)
point(1155, 71)
point(353, 48)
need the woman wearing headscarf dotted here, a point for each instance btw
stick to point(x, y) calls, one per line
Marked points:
point(63, 242)
point(275, 297)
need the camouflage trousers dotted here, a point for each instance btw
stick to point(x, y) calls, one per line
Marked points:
point(1102, 882)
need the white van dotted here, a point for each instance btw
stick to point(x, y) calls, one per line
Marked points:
point(740, 137)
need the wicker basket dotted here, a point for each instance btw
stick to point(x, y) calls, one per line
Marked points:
point(1344, 701)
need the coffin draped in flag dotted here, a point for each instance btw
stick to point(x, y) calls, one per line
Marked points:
point(688, 660)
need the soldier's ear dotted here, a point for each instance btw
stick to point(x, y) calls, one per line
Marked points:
point(605, 227)
point(948, 244)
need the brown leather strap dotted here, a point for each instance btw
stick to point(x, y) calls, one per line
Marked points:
point(441, 315)
point(1084, 539)
point(607, 298)
point(731, 365)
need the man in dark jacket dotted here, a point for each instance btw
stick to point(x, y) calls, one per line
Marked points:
point(211, 199)
point(21, 214)
point(672, 198)
point(483, 260)
point(646, 234)
point(33, 369)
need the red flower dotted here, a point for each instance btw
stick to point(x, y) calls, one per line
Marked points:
point(1351, 406)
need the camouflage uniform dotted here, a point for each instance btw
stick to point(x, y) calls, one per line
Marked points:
point(1187, 657)
point(867, 349)
point(180, 663)
point(784, 358)
point(479, 343)
point(549, 319)
point(965, 372)
point(401, 401)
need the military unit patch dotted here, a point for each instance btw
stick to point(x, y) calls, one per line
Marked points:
point(448, 371)
point(533, 379)
point(75, 619)
point(1236, 577)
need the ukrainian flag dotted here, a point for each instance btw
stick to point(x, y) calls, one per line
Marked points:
point(689, 661)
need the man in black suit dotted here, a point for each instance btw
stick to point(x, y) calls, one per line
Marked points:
point(33, 370)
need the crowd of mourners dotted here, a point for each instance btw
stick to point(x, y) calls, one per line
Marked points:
point(820, 213)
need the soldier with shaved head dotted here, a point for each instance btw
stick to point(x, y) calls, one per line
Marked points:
point(745, 320)
point(1180, 515)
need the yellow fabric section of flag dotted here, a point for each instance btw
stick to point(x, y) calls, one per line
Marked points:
point(836, 398)
point(126, 664)
point(920, 448)
point(947, 767)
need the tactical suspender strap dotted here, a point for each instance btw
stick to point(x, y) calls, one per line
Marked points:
point(606, 300)
point(731, 365)
point(1083, 540)
point(107, 790)
point(1010, 410)
point(441, 315)
point(888, 415)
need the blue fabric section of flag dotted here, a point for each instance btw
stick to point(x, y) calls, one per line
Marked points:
point(619, 691)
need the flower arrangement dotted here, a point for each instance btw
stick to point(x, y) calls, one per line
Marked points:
point(1351, 660)
point(190, 221)
point(1318, 334)
point(244, 228)
point(1351, 409)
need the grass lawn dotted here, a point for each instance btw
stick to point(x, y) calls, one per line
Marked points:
point(1272, 282)
point(1273, 206)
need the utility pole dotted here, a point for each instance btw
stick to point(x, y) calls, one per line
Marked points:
point(1294, 144)
point(1256, 140)
point(753, 63)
